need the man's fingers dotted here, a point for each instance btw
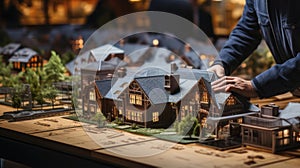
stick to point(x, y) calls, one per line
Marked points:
point(220, 89)
point(233, 88)
point(220, 84)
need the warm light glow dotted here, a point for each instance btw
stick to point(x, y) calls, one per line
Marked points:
point(203, 57)
point(134, 0)
point(172, 57)
point(244, 65)
point(155, 42)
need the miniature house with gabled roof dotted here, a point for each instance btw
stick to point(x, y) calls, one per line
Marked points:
point(97, 64)
point(26, 58)
point(157, 100)
point(272, 130)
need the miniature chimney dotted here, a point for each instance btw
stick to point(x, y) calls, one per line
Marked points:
point(270, 110)
point(172, 80)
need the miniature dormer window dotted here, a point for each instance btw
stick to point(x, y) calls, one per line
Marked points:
point(135, 94)
point(136, 99)
point(172, 83)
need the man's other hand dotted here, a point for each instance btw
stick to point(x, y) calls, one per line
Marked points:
point(234, 84)
point(218, 69)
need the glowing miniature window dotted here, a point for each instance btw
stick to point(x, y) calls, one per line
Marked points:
point(155, 116)
point(240, 120)
point(92, 95)
point(286, 133)
point(298, 137)
point(128, 115)
point(139, 117)
point(132, 98)
point(133, 116)
point(186, 108)
point(92, 109)
point(204, 97)
point(120, 112)
point(136, 99)
point(98, 110)
point(230, 101)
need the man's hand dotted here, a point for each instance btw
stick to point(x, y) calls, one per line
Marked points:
point(218, 69)
point(234, 84)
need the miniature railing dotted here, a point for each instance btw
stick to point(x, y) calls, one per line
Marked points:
point(263, 122)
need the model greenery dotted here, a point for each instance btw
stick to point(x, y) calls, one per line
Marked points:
point(40, 81)
point(54, 69)
point(186, 126)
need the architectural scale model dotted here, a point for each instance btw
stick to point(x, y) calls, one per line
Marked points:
point(156, 98)
point(273, 130)
point(20, 57)
point(26, 58)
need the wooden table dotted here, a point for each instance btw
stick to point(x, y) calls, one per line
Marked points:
point(60, 142)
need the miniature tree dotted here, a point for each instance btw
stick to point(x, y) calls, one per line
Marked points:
point(17, 97)
point(5, 73)
point(51, 93)
point(40, 98)
point(100, 119)
point(54, 69)
point(187, 125)
point(34, 80)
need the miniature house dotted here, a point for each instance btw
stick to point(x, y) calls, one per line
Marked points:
point(97, 64)
point(9, 50)
point(157, 100)
point(270, 132)
point(26, 58)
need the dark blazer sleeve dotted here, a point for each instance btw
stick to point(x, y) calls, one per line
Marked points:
point(279, 79)
point(242, 41)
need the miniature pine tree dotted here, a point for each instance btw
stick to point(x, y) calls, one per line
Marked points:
point(54, 69)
